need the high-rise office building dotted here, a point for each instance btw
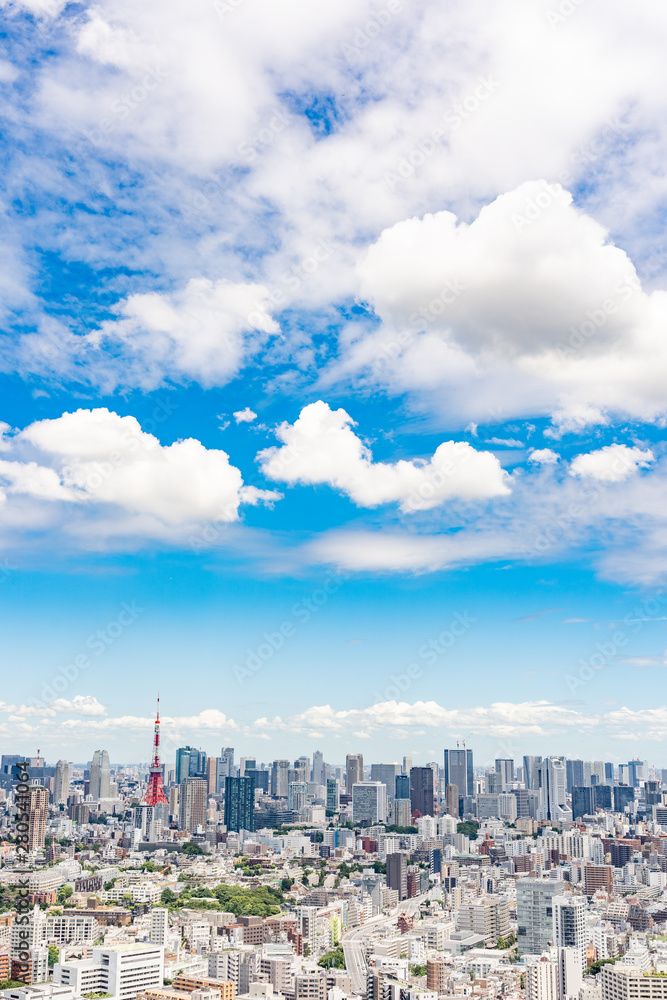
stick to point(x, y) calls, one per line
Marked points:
point(297, 795)
point(636, 771)
point(459, 771)
point(574, 774)
point(386, 773)
point(280, 778)
point(552, 789)
point(192, 802)
point(369, 802)
point(402, 786)
point(452, 800)
point(354, 770)
point(61, 782)
point(190, 763)
point(100, 775)
point(38, 808)
point(504, 766)
point(227, 762)
point(407, 764)
point(534, 913)
point(530, 772)
point(212, 775)
point(240, 803)
point(319, 771)
point(623, 797)
point(333, 795)
point(421, 791)
point(397, 874)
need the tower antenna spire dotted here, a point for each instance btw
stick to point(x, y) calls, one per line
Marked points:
point(155, 789)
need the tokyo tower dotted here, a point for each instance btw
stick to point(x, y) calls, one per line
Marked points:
point(155, 791)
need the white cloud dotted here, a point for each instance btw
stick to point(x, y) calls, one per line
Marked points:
point(499, 719)
point(611, 464)
point(245, 416)
point(96, 457)
point(205, 332)
point(544, 456)
point(321, 447)
point(528, 309)
point(41, 9)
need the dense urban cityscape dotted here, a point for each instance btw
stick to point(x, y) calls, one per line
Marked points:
point(333, 419)
point(212, 879)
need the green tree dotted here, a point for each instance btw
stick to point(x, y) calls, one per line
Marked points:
point(64, 893)
point(418, 970)
point(469, 829)
point(54, 955)
point(333, 959)
point(192, 848)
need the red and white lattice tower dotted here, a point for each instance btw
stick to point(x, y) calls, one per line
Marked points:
point(155, 790)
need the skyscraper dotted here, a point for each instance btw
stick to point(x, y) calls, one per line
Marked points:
point(369, 802)
point(552, 789)
point(240, 803)
point(504, 766)
point(100, 775)
point(387, 774)
point(402, 786)
point(192, 802)
point(397, 874)
point(459, 771)
point(421, 791)
point(61, 782)
point(530, 776)
point(333, 795)
point(623, 796)
point(38, 808)
point(452, 800)
point(297, 796)
point(190, 763)
point(280, 778)
point(354, 770)
point(534, 913)
point(318, 773)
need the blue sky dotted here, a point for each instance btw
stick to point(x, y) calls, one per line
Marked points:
point(333, 378)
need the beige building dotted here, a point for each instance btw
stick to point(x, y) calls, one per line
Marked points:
point(488, 916)
point(630, 983)
point(38, 808)
point(542, 980)
point(193, 799)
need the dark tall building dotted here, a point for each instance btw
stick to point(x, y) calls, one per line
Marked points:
point(261, 778)
point(587, 798)
point(602, 796)
point(635, 768)
point(609, 773)
point(402, 786)
point(652, 793)
point(397, 874)
point(421, 791)
point(623, 795)
point(574, 774)
point(581, 801)
point(240, 803)
point(458, 771)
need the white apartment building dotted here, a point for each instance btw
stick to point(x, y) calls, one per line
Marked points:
point(122, 970)
point(630, 983)
point(542, 980)
point(159, 925)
